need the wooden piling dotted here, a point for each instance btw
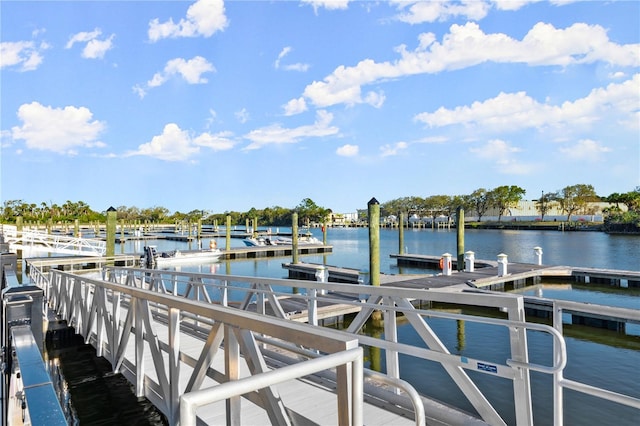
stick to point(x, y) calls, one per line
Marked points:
point(401, 234)
point(228, 233)
point(294, 237)
point(111, 232)
point(460, 235)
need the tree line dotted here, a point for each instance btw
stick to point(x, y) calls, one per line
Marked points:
point(572, 199)
point(308, 212)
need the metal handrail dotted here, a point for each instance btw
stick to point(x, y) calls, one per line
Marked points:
point(189, 402)
point(225, 284)
point(559, 361)
point(55, 242)
point(515, 369)
point(83, 302)
point(560, 383)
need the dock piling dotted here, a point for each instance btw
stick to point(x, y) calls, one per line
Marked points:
point(460, 238)
point(294, 237)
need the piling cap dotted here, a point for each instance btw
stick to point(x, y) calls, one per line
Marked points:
point(372, 201)
point(111, 209)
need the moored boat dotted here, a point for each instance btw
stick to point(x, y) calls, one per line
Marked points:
point(261, 241)
point(152, 258)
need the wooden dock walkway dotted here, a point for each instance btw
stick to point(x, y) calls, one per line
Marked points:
point(279, 250)
point(484, 276)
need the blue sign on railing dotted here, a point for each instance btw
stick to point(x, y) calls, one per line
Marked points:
point(489, 368)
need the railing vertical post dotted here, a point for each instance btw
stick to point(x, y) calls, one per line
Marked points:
point(520, 352)
point(357, 390)
point(391, 335)
point(558, 394)
point(224, 293)
point(313, 307)
point(136, 306)
point(232, 371)
point(174, 364)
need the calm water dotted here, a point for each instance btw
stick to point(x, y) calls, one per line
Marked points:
point(596, 357)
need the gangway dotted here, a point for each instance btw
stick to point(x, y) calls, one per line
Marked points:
point(150, 306)
point(29, 240)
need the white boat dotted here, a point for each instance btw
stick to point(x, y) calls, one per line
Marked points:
point(151, 258)
point(277, 241)
point(260, 241)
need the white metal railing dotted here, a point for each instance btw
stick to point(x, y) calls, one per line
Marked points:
point(259, 292)
point(256, 292)
point(109, 315)
point(190, 402)
point(54, 243)
point(560, 383)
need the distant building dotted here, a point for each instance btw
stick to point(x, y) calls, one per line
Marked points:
point(343, 219)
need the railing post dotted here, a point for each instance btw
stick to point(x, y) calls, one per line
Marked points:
point(322, 274)
point(312, 308)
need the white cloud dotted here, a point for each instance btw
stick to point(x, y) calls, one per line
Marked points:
point(60, 130)
point(94, 48)
point(204, 18)
point(348, 150)
point(514, 111)
point(295, 106)
point(466, 46)
point(191, 71)
point(217, 142)
point(82, 37)
point(284, 52)
point(327, 4)
point(393, 149)
point(432, 11)
point(502, 154)
point(175, 144)
point(289, 67)
point(242, 116)
point(584, 150)
point(418, 12)
point(276, 134)
point(213, 116)
point(24, 55)
point(97, 48)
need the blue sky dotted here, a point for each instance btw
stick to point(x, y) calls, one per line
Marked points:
point(227, 106)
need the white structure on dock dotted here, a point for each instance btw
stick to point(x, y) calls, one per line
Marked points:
point(37, 241)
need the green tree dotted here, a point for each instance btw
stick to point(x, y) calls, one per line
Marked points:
point(479, 200)
point(504, 197)
point(308, 211)
point(545, 203)
point(575, 197)
point(630, 199)
point(436, 205)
